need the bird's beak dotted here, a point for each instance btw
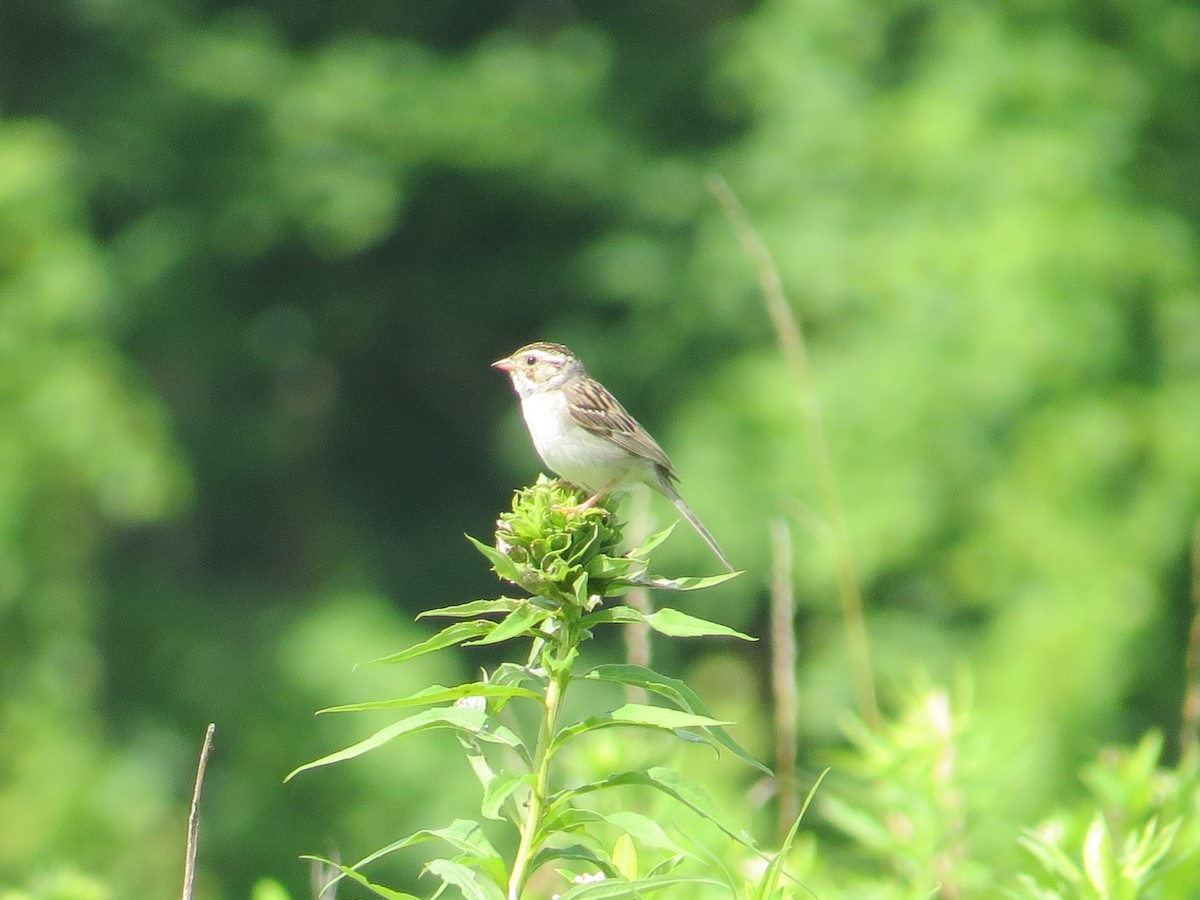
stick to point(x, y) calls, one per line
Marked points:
point(504, 365)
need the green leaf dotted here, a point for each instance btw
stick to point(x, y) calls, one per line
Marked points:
point(474, 608)
point(661, 717)
point(769, 882)
point(1098, 857)
point(512, 675)
point(438, 694)
point(462, 834)
point(650, 543)
point(674, 623)
point(636, 714)
point(515, 624)
point(679, 693)
point(348, 872)
point(644, 830)
point(567, 820)
point(468, 838)
point(465, 880)
point(1052, 858)
point(575, 852)
point(687, 583)
point(673, 785)
point(670, 622)
point(858, 823)
point(670, 864)
point(480, 765)
point(625, 857)
point(1150, 848)
point(474, 722)
point(447, 637)
point(503, 566)
point(500, 789)
point(580, 589)
point(617, 889)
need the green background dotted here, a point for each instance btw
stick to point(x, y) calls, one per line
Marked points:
point(255, 260)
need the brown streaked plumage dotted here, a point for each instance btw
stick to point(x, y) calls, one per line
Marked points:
point(582, 432)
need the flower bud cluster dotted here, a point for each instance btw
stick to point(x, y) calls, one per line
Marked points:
point(557, 552)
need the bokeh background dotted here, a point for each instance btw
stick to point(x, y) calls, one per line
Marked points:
point(255, 259)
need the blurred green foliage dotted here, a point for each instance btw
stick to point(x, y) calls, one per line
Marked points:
point(255, 258)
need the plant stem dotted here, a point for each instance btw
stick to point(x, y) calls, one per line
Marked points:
point(783, 675)
point(1190, 726)
point(791, 341)
point(556, 687)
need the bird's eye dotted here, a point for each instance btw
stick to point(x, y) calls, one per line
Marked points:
point(530, 359)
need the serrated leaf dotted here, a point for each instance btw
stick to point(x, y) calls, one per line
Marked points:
point(454, 634)
point(679, 693)
point(673, 785)
point(474, 722)
point(464, 879)
point(515, 624)
point(438, 694)
point(474, 608)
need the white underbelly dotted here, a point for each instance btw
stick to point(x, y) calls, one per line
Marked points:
point(572, 452)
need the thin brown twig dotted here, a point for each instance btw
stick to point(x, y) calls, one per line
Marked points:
point(193, 832)
point(783, 675)
point(791, 341)
point(1190, 726)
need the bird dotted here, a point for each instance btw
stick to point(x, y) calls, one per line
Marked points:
point(584, 434)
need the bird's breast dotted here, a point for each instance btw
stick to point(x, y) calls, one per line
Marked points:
point(574, 453)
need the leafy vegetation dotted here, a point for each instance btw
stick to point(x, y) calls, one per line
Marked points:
point(255, 258)
point(570, 562)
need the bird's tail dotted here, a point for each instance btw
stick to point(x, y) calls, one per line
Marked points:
point(686, 511)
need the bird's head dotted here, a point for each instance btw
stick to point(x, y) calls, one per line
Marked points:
point(540, 367)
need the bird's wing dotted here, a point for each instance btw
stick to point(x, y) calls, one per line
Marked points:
point(596, 410)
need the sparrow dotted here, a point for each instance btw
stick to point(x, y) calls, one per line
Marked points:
point(584, 434)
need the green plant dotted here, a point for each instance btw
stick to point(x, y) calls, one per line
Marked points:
point(570, 564)
point(1136, 837)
